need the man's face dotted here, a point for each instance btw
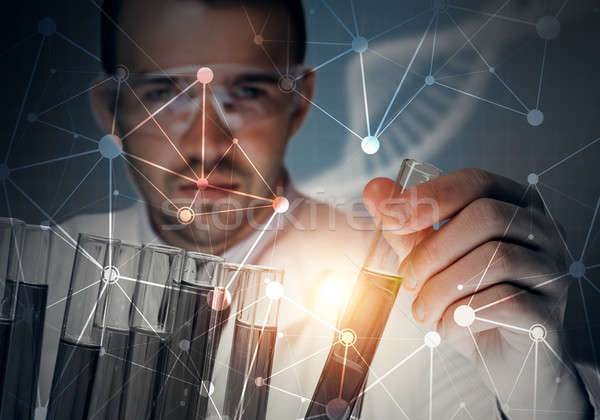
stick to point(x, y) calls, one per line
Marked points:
point(169, 152)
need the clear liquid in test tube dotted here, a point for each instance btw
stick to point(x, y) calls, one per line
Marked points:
point(365, 316)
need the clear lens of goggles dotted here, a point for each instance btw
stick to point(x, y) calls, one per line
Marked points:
point(240, 96)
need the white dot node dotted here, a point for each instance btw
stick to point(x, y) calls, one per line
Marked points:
point(537, 332)
point(258, 39)
point(110, 274)
point(577, 269)
point(287, 83)
point(535, 117)
point(201, 184)
point(279, 334)
point(235, 141)
point(557, 380)
point(531, 237)
point(32, 117)
point(274, 290)
point(116, 193)
point(4, 171)
point(121, 73)
point(184, 345)
point(47, 26)
point(462, 404)
point(432, 339)
point(185, 215)
point(347, 337)
point(102, 351)
point(303, 400)
point(370, 145)
point(207, 388)
point(492, 70)
point(110, 146)
point(548, 27)
point(182, 403)
point(219, 298)
point(430, 80)
point(259, 381)
point(337, 409)
point(281, 205)
point(533, 178)
point(360, 44)
point(205, 75)
point(460, 287)
point(464, 316)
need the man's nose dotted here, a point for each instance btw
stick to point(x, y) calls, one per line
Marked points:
point(207, 131)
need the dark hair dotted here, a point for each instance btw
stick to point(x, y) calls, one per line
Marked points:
point(112, 8)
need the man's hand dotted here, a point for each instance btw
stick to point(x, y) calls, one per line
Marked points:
point(499, 257)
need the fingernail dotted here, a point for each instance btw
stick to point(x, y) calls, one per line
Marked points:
point(419, 309)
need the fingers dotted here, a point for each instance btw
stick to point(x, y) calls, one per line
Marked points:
point(482, 221)
point(488, 265)
point(426, 204)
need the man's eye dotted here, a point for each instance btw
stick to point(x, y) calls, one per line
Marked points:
point(248, 92)
point(160, 94)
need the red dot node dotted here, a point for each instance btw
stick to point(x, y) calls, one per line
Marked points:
point(201, 184)
point(235, 141)
point(205, 75)
point(281, 204)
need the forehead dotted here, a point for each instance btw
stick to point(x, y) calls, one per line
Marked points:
point(174, 33)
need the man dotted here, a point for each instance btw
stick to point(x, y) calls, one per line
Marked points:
point(203, 107)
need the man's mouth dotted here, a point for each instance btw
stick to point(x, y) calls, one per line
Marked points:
point(217, 188)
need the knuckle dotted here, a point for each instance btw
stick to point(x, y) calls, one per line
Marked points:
point(488, 211)
point(480, 178)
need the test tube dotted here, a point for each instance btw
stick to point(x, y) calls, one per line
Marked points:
point(112, 325)
point(10, 236)
point(253, 345)
point(28, 267)
point(154, 306)
point(93, 274)
point(365, 316)
point(182, 396)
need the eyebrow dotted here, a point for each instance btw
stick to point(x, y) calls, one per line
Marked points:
point(173, 78)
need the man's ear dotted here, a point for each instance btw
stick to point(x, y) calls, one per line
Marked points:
point(102, 103)
point(308, 90)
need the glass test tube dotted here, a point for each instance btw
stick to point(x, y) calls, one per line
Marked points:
point(253, 345)
point(10, 236)
point(365, 316)
point(112, 325)
point(183, 396)
point(28, 267)
point(154, 307)
point(80, 340)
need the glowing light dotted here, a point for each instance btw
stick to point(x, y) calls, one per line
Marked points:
point(274, 290)
point(110, 274)
point(185, 215)
point(537, 332)
point(432, 339)
point(370, 145)
point(281, 205)
point(201, 184)
point(347, 337)
point(205, 75)
point(464, 316)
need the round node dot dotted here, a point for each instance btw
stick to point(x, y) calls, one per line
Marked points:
point(370, 145)
point(205, 75)
point(302, 400)
point(531, 237)
point(287, 83)
point(557, 380)
point(505, 408)
point(360, 44)
point(47, 26)
point(537, 332)
point(235, 141)
point(440, 5)
point(102, 351)
point(219, 299)
point(336, 409)
point(110, 274)
point(548, 27)
point(533, 179)
point(432, 339)
point(4, 171)
point(462, 404)
point(258, 39)
point(274, 290)
point(347, 337)
point(207, 388)
point(184, 345)
point(259, 381)
point(281, 205)
point(201, 184)
point(279, 334)
point(430, 80)
point(185, 215)
point(116, 193)
point(535, 117)
point(577, 269)
point(121, 73)
point(492, 70)
point(460, 287)
point(32, 117)
point(110, 146)
point(182, 403)
point(464, 315)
